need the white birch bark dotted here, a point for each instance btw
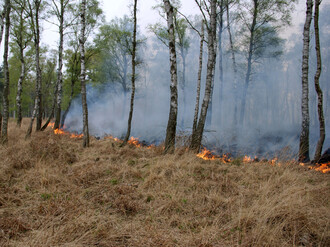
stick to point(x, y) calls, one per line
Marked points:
point(198, 134)
point(4, 135)
point(2, 17)
point(60, 16)
point(199, 77)
point(172, 120)
point(33, 12)
point(82, 40)
point(304, 135)
point(318, 89)
point(130, 116)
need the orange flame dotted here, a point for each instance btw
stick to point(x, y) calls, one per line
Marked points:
point(206, 155)
point(151, 146)
point(110, 137)
point(73, 136)
point(135, 141)
point(63, 132)
point(60, 132)
point(273, 161)
point(324, 167)
point(247, 159)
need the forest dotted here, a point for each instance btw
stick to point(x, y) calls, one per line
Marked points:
point(204, 129)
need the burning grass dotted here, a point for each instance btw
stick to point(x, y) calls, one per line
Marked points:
point(55, 193)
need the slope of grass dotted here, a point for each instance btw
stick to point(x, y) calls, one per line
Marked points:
point(55, 193)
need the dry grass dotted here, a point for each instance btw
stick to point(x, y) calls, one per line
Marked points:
point(55, 193)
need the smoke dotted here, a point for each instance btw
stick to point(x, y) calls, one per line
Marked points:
point(108, 109)
point(271, 126)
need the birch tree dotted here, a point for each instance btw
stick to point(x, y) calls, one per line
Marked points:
point(2, 17)
point(182, 42)
point(197, 135)
point(92, 20)
point(21, 37)
point(33, 9)
point(318, 89)
point(4, 135)
point(59, 9)
point(234, 65)
point(199, 77)
point(304, 135)
point(220, 51)
point(260, 22)
point(130, 116)
point(172, 120)
point(82, 41)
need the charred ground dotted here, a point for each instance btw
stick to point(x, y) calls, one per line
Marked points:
point(55, 193)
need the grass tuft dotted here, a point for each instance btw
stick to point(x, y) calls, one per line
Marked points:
point(55, 193)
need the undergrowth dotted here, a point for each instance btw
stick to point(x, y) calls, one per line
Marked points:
point(55, 193)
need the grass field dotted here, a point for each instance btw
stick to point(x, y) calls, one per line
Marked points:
point(55, 193)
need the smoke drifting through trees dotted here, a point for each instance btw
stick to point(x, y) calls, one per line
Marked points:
point(272, 108)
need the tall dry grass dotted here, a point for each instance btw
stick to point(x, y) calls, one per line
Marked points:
point(55, 193)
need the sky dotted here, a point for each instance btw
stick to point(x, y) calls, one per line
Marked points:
point(147, 15)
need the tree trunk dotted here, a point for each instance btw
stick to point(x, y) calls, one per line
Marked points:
point(38, 69)
point(235, 71)
point(59, 70)
point(51, 115)
point(20, 89)
point(220, 58)
point(82, 75)
point(210, 107)
point(2, 17)
point(304, 135)
point(198, 134)
point(0, 123)
point(4, 135)
point(183, 56)
point(172, 120)
point(37, 111)
point(22, 75)
point(199, 77)
point(318, 89)
point(129, 125)
point(249, 60)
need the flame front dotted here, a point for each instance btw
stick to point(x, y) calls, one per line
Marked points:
point(63, 132)
point(135, 142)
point(206, 155)
point(323, 167)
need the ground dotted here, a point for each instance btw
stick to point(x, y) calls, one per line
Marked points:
point(55, 193)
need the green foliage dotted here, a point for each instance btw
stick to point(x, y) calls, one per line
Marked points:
point(180, 28)
point(113, 44)
point(270, 16)
point(71, 77)
point(48, 68)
